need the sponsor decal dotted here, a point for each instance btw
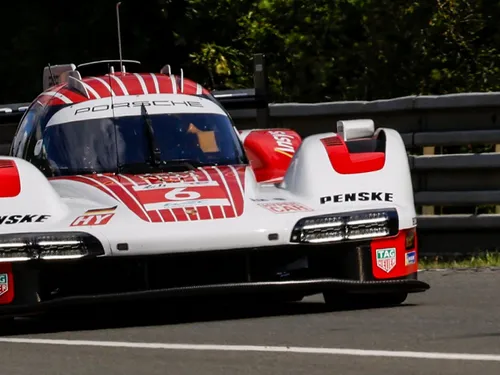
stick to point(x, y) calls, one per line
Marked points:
point(182, 194)
point(4, 283)
point(154, 103)
point(285, 207)
point(410, 258)
point(386, 259)
point(174, 184)
point(267, 199)
point(155, 179)
point(23, 219)
point(191, 211)
point(361, 197)
point(410, 239)
point(100, 216)
point(188, 203)
point(284, 142)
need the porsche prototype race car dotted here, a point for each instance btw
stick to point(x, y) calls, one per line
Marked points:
point(126, 185)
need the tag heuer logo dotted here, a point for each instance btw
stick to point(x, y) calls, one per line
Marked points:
point(386, 259)
point(4, 283)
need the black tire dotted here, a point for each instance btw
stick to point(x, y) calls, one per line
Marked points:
point(336, 300)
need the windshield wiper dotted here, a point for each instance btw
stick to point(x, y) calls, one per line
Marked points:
point(155, 153)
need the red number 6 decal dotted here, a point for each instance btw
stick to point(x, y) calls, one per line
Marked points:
point(179, 194)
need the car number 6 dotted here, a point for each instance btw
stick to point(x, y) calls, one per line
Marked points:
point(178, 194)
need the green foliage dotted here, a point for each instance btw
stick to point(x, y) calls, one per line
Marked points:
point(350, 49)
point(455, 261)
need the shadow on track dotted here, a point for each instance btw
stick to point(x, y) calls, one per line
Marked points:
point(170, 312)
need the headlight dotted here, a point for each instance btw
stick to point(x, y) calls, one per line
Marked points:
point(48, 246)
point(348, 226)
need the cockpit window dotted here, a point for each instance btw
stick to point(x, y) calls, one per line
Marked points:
point(106, 145)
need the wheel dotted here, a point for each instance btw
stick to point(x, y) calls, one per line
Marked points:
point(336, 300)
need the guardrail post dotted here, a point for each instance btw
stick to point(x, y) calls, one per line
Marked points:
point(497, 150)
point(261, 88)
point(429, 210)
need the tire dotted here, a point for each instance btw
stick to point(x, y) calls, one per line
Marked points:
point(336, 300)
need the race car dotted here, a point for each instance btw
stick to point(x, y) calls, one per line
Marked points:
point(127, 186)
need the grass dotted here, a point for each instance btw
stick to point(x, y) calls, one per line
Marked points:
point(487, 259)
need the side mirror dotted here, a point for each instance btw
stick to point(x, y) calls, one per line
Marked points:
point(38, 148)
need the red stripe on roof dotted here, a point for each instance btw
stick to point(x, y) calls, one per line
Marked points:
point(165, 84)
point(115, 86)
point(129, 81)
point(150, 86)
point(99, 87)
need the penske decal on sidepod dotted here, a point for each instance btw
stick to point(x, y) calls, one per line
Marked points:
point(361, 196)
point(23, 219)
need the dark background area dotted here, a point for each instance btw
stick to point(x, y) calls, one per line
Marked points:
point(317, 50)
point(60, 31)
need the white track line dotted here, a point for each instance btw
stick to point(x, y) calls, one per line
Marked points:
point(269, 349)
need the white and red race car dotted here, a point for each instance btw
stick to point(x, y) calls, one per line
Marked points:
point(138, 185)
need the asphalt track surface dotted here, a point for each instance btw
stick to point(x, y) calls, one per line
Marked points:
point(460, 315)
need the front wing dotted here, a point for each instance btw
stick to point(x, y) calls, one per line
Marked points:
point(274, 271)
point(303, 287)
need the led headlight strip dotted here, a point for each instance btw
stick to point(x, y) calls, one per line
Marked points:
point(21, 247)
point(347, 226)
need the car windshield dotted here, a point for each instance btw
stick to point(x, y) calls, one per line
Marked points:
point(128, 144)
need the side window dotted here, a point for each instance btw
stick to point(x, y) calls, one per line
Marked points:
point(25, 130)
point(34, 149)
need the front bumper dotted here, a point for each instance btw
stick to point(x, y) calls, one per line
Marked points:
point(292, 269)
